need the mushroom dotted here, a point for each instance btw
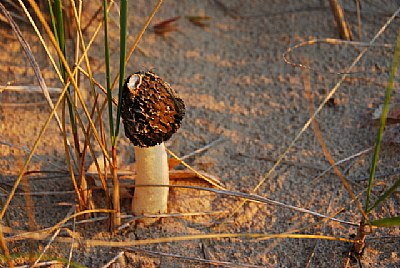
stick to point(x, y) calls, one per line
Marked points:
point(151, 112)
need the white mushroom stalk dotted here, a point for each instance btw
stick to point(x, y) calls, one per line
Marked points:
point(151, 168)
point(151, 113)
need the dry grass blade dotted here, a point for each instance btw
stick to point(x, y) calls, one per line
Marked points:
point(210, 180)
point(114, 260)
point(83, 105)
point(47, 247)
point(103, 179)
point(84, 48)
point(382, 237)
point(32, 22)
point(29, 158)
point(70, 75)
point(170, 215)
point(81, 201)
point(116, 217)
point(32, 88)
point(43, 264)
point(254, 198)
point(96, 121)
point(42, 193)
point(111, 244)
point(44, 233)
point(343, 161)
point(84, 53)
point(317, 111)
point(100, 86)
point(17, 233)
point(36, 68)
point(317, 132)
point(199, 260)
point(318, 223)
point(330, 41)
point(13, 6)
point(139, 37)
point(173, 162)
point(341, 22)
point(259, 236)
point(61, 79)
point(23, 105)
point(88, 144)
point(34, 64)
point(264, 200)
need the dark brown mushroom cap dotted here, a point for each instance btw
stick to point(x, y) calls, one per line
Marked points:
point(150, 109)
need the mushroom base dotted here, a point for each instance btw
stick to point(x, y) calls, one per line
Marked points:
point(151, 169)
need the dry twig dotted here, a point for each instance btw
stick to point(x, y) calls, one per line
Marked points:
point(341, 22)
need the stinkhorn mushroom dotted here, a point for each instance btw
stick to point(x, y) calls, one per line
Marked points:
point(151, 112)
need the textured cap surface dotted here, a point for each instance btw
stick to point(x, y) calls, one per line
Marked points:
point(150, 109)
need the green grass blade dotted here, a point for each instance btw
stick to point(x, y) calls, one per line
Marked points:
point(58, 25)
point(59, 33)
point(385, 195)
point(53, 20)
point(108, 78)
point(385, 111)
point(122, 56)
point(387, 222)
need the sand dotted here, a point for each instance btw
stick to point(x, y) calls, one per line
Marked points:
point(237, 88)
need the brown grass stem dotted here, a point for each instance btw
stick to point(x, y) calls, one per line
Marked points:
point(338, 13)
point(116, 221)
point(328, 156)
point(69, 72)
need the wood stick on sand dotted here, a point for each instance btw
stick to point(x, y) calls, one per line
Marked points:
point(338, 13)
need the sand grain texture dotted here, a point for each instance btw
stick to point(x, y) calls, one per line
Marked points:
point(236, 86)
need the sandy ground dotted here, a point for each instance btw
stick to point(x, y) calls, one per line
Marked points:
point(237, 88)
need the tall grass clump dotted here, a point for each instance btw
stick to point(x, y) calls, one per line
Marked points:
point(73, 103)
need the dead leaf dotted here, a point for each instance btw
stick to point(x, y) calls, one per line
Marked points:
point(166, 26)
point(201, 21)
point(173, 163)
